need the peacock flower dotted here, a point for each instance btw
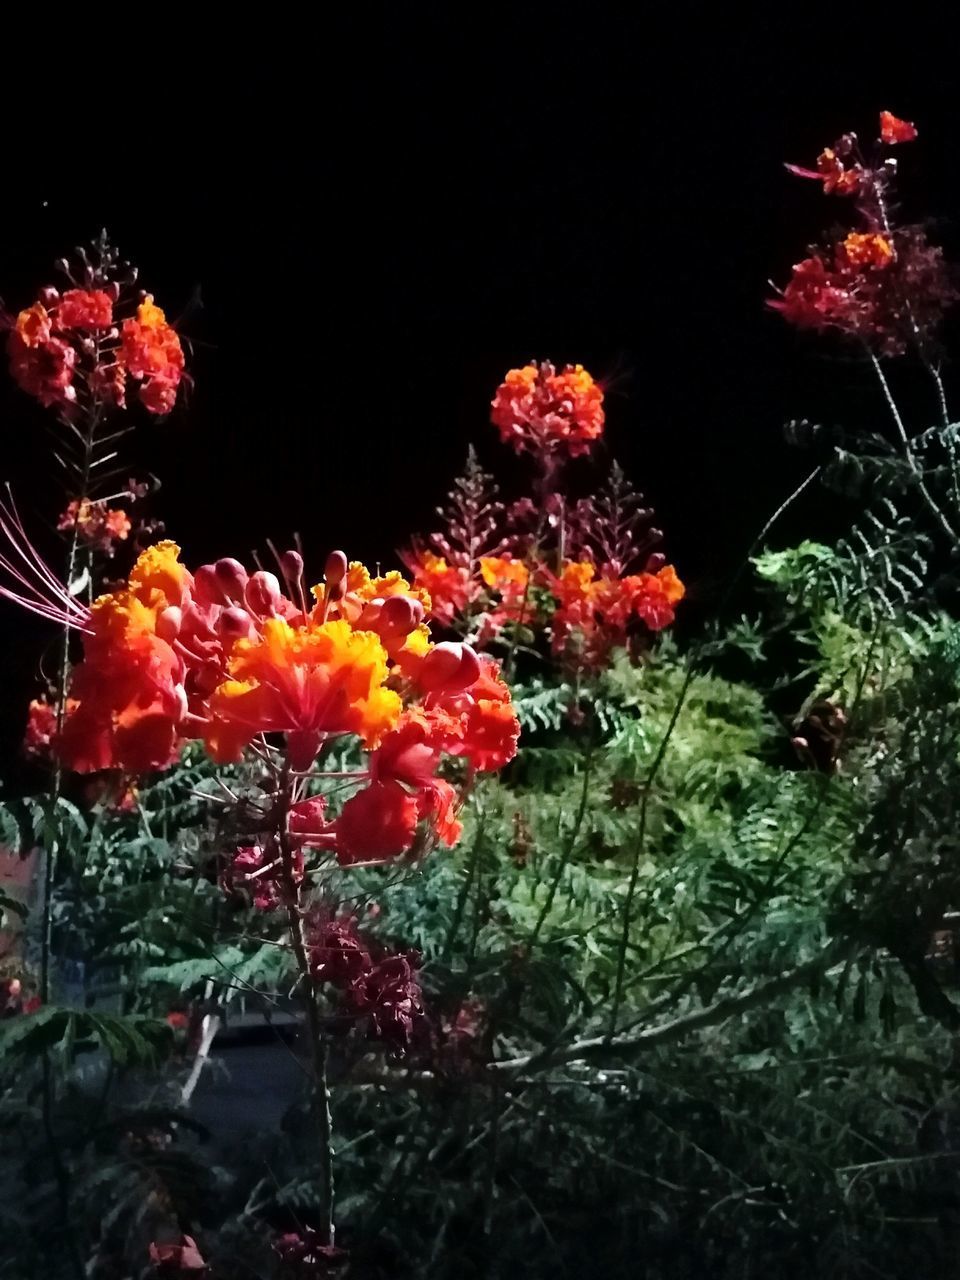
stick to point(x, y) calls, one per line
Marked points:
point(490, 727)
point(448, 588)
point(541, 411)
point(98, 526)
point(307, 682)
point(152, 354)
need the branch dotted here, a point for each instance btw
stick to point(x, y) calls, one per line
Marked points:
point(606, 1047)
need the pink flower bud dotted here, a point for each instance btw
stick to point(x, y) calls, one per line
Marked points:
point(262, 595)
point(335, 569)
point(169, 623)
point(291, 565)
point(656, 562)
point(449, 668)
point(234, 622)
point(49, 296)
point(398, 615)
point(336, 591)
point(206, 585)
point(232, 577)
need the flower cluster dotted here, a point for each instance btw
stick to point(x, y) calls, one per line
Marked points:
point(886, 285)
point(585, 575)
point(229, 658)
point(374, 986)
point(78, 349)
point(539, 410)
point(98, 526)
point(594, 610)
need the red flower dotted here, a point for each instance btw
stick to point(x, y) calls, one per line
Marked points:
point(376, 824)
point(43, 368)
point(176, 1259)
point(538, 409)
point(85, 309)
point(490, 727)
point(178, 1020)
point(151, 353)
point(450, 587)
point(837, 178)
point(893, 129)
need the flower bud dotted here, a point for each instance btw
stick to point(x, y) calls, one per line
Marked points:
point(449, 668)
point(262, 594)
point(49, 296)
point(655, 562)
point(232, 577)
point(291, 565)
point(206, 586)
point(335, 569)
point(169, 623)
point(234, 622)
point(398, 615)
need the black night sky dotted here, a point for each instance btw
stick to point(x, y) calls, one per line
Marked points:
point(358, 265)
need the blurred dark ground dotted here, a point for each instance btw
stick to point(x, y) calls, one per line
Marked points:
point(360, 242)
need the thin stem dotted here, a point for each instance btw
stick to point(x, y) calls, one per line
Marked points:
point(318, 1041)
point(908, 451)
point(652, 774)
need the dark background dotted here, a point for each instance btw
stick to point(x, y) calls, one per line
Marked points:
point(358, 261)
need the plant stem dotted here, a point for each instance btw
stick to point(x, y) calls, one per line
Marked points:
point(319, 1047)
point(938, 515)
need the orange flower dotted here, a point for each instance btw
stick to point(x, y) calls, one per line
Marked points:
point(865, 250)
point(129, 686)
point(307, 682)
point(151, 353)
point(540, 410)
point(893, 129)
point(34, 326)
point(447, 588)
point(504, 574)
point(97, 525)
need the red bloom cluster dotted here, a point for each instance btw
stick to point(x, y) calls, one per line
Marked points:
point(539, 410)
point(226, 656)
point(98, 526)
point(72, 349)
point(586, 611)
point(885, 290)
point(594, 611)
point(886, 285)
point(151, 353)
point(256, 873)
point(374, 985)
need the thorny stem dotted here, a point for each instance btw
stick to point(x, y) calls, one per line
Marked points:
point(908, 451)
point(318, 1041)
